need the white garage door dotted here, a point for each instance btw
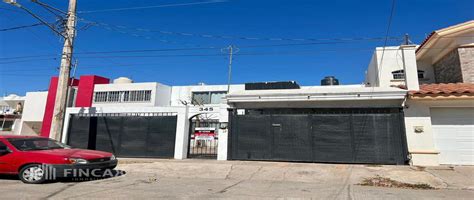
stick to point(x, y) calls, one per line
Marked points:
point(454, 135)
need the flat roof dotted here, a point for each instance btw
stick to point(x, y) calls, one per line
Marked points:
point(318, 93)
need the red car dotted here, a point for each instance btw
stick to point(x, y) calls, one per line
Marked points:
point(37, 159)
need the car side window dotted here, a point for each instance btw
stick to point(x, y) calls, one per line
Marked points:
point(3, 148)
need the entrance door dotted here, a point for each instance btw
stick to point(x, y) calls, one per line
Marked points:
point(203, 137)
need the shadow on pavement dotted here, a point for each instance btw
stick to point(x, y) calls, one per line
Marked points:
point(8, 177)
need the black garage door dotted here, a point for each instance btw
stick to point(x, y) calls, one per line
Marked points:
point(319, 135)
point(125, 136)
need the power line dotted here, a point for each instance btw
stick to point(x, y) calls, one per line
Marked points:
point(28, 60)
point(55, 56)
point(49, 7)
point(147, 50)
point(20, 27)
point(38, 18)
point(112, 52)
point(150, 7)
point(213, 36)
point(385, 42)
point(23, 57)
point(33, 33)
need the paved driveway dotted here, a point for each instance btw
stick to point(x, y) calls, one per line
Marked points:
point(204, 179)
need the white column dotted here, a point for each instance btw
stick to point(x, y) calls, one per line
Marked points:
point(182, 134)
point(222, 146)
point(409, 66)
point(67, 117)
point(223, 133)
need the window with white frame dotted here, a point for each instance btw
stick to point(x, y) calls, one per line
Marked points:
point(214, 97)
point(122, 96)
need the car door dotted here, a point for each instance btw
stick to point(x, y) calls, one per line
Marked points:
point(7, 160)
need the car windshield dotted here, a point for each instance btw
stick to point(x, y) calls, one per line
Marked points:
point(34, 144)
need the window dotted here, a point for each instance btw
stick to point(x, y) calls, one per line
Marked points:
point(33, 144)
point(200, 98)
point(100, 97)
point(400, 74)
point(421, 74)
point(216, 97)
point(4, 147)
point(122, 96)
point(113, 97)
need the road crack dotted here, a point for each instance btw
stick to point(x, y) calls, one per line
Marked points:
point(230, 186)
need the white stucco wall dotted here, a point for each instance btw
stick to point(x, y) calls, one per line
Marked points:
point(379, 72)
point(159, 93)
point(162, 95)
point(417, 114)
point(429, 72)
point(33, 113)
point(35, 103)
point(392, 61)
point(372, 72)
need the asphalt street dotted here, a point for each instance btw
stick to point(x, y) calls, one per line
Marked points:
point(205, 179)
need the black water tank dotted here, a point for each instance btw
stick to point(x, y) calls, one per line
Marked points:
point(329, 80)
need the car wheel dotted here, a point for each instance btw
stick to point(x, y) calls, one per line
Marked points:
point(32, 174)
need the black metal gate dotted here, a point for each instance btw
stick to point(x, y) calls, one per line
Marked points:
point(203, 138)
point(142, 135)
point(361, 135)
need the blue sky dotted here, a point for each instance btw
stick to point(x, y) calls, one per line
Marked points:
point(140, 29)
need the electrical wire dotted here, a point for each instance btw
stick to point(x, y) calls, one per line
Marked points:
point(49, 7)
point(266, 53)
point(385, 43)
point(20, 27)
point(150, 7)
point(121, 28)
point(56, 56)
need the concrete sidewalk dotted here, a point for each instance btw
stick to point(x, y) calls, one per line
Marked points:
point(210, 179)
point(444, 177)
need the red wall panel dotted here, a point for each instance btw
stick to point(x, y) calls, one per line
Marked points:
point(85, 91)
point(49, 109)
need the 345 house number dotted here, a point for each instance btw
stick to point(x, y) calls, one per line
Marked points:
point(206, 109)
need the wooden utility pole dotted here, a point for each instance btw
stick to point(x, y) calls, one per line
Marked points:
point(60, 103)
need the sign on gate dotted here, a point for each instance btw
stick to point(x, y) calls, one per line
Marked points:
point(204, 133)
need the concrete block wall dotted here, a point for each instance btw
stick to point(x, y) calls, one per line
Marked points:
point(456, 67)
point(466, 60)
point(448, 68)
